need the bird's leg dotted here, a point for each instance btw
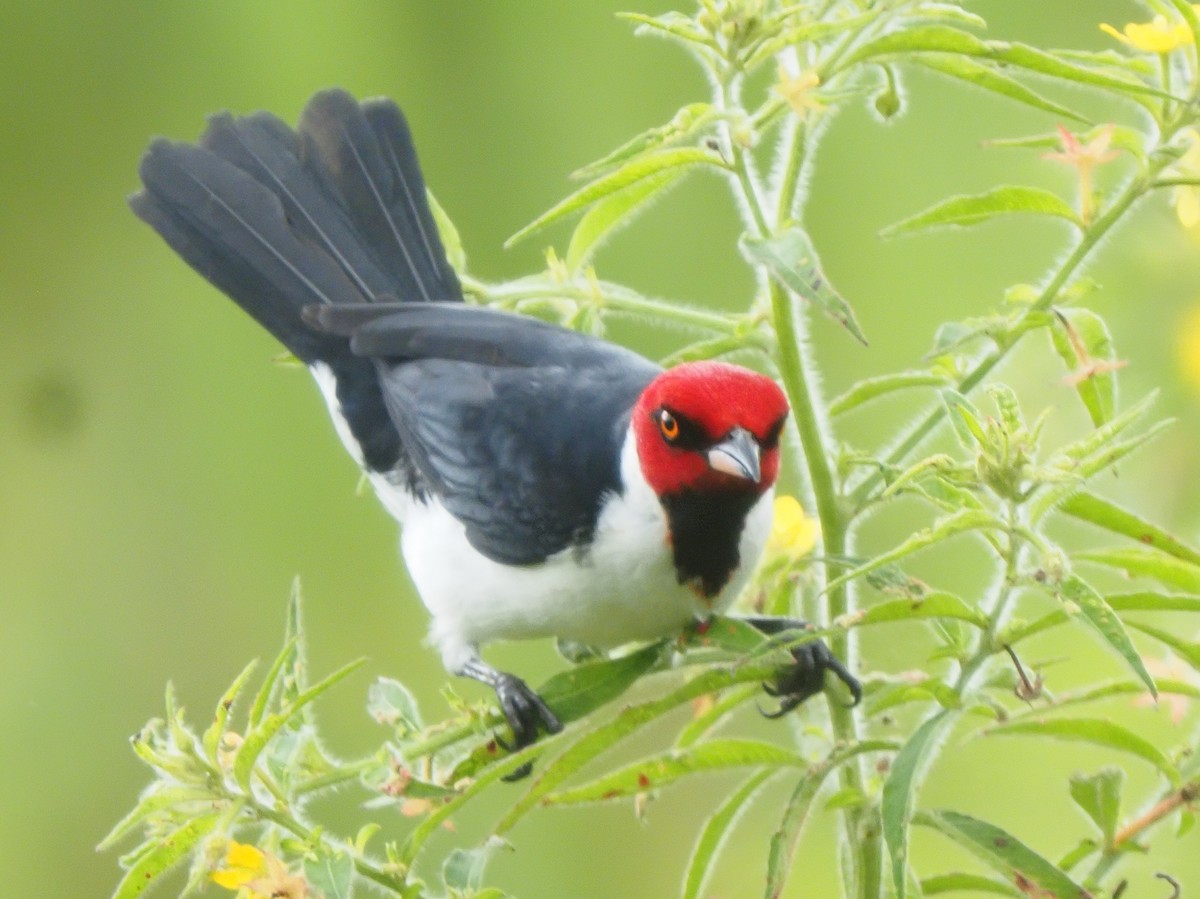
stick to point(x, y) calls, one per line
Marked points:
point(523, 709)
point(806, 677)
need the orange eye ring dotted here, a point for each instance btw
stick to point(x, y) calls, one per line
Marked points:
point(668, 425)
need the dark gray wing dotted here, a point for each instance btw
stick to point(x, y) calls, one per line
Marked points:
point(516, 425)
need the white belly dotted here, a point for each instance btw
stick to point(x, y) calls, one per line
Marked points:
point(623, 589)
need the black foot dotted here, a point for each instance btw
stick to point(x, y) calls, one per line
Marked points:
point(806, 676)
point(523, 709)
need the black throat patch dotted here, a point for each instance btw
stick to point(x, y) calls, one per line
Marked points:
point(706, 529)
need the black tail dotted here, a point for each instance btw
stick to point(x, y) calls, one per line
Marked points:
point(334, 212)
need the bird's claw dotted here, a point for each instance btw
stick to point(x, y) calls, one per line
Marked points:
point(806, 677)
point(525, 713)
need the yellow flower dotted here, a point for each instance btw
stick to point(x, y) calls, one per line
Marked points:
point(1188, 347)
point(263, 876)
point(798, 90)
point(793, 532)
point(1156, 36)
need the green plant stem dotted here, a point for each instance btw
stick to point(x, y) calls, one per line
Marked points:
point(613, 300)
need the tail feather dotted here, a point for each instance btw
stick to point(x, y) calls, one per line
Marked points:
point(367, 153)
point(233, 230)
point(267, 150)
point(333, 214)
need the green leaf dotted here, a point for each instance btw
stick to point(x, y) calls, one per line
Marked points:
point(899, 790)
point(669, 24)
point(639, 169)
point(455, 254)
point(577, 691)
point(715, 831)
point(791, 259)
point(1082, 850)
point(1145, 601)
point(259, 707)
point(1007, 855)
point(1077, 593)
point(926, 39)
point(1188, 650)
point(872, 388)
point(931, 605)
point(212, 736)
point(784, 840)
point(159, 856)
point(390, 702)
point(257, 739)
point(1096, 731)
point(1099, 795)
point(687, 121)
point(965, 418)
point(1105, 514)
point(943, 529)
point(159, 800)
point(988, 78)
point(964, 210)
point(1034, 60)
point(464, 868)
point(1082, 341)
point(599, 222)
point(896, 694)
point(661, 770)
point(726, 633)
point(960, 882)
point(627, 721)
point(331, 872)
point(1165, 569)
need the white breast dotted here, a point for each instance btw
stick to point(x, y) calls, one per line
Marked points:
point(623, 588)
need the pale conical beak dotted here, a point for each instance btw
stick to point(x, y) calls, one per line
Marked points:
point(737, 455)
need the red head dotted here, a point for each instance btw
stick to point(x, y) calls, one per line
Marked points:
point(709, 426)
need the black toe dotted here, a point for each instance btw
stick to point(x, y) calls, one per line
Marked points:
point(806, 677)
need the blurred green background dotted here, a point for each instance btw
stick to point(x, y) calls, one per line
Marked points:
point(161, 482)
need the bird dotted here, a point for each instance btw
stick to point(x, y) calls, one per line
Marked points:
point(548, 483)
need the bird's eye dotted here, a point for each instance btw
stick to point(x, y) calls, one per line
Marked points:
point(668, 424)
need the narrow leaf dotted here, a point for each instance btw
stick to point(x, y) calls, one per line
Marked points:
point(615, 210)
point(332, 873)
point(1165, 569)
point(1034, 60)
point(163, 855)
point(791, 260)
point(1144, 601)
point(658, 771)
point(577, 691)
point(259, 707)
point(1078, 594)
point(629, 720)
point(899, 790)
point(961, 882)
point(149, 805)
point(212, 736)
point(1082, 341)
point(715, 832)
point(1099, 795)
point(943, 529)
point(965, 419)
point(464, 868)
point(258, 738)
point(636, 170)
point(873, 388)
point(1096, 731)
point(1105, 514)
point(990, 79)
point(1188, 650)
point(964, 210)
point(926, 39)
point(784, 840)
point(455, 254)
point(1007, 855)
point(932, 605)
point(686, 122)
